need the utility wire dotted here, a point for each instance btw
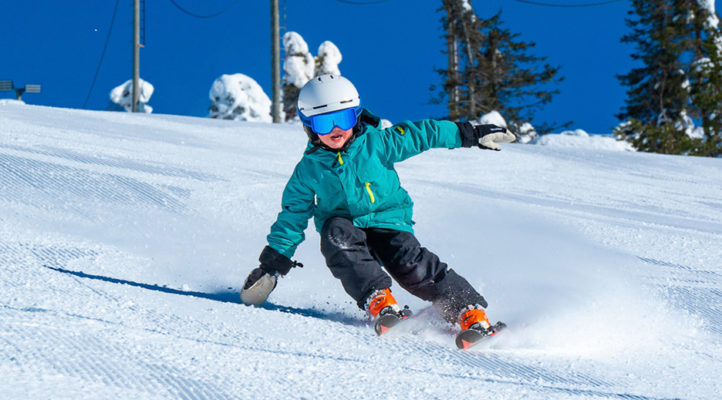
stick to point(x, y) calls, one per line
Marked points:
point(102, 55)
point(362, 3)
point(194, 15)
point(599, 3)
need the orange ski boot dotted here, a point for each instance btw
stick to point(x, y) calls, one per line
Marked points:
point(475, 326)
point(473, 315)
point(382, 306)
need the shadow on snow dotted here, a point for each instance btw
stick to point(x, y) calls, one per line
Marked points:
point(223, 296)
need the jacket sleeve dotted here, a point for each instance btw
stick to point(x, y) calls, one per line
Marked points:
point(408, 139)
point(296, 209)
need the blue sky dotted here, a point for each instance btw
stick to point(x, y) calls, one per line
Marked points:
point(390, 51)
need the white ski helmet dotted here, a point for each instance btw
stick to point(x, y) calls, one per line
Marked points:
point(327, 93)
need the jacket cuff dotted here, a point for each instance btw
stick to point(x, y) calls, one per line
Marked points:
point(468, 134)
point(274, 262)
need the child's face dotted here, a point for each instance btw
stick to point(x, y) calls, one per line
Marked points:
point(337, 138)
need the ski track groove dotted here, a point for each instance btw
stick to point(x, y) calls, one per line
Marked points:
point(696, 271)
point(115, 162)
point(705, 302)
point(60, 181)
point(96, 360)
point(494, 363)
point(491, 364)
point(696, 291)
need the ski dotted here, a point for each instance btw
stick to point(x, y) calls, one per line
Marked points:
point(385, 322)
point(468, 338)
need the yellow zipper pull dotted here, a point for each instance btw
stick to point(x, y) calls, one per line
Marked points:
point(340, 160)
point(371, 194)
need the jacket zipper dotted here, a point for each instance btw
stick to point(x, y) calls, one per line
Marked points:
point(368, 184)
point(371, 194)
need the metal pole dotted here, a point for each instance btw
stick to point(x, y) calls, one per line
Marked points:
point(136, 53)
point(275, 63)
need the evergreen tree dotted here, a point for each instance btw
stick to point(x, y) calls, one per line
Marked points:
point(298, 68)
point(706, 77)
point(678, 83)
point(510, 80)
point(490, 69)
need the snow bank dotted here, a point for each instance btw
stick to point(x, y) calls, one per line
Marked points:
point(526, 133)
point(239, 97)
point(11, 101)
point(582, 140)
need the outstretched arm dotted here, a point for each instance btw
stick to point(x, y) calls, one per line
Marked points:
point(408, 138)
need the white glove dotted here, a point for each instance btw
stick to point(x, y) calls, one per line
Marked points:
point(490, 135)
point(258, 286)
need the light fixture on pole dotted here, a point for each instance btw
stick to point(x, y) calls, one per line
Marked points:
point(8, 85)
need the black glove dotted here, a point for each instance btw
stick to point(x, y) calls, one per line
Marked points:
point(274, 262)
point(485, 136)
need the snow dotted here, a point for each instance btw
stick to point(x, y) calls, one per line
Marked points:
point(526, 134)
point(239, 97)
point(494, 118)
point(125, 238)
point(712, 20)
point(328, 59)
point(122, 95)
point(10, 101)
point(299, 64)
point(580, 139)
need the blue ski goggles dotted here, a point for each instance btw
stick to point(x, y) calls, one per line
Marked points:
point(323, 124)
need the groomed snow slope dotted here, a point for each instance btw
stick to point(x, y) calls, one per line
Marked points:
point(124, 240)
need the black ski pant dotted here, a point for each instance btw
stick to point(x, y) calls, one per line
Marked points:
point(354, 256)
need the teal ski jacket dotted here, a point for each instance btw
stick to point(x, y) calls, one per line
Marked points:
point(358, 183)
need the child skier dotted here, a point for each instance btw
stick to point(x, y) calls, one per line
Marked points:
point(347, 182)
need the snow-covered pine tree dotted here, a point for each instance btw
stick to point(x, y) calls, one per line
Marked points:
point(490, 69)
point(705, 43)
point(298, 69)
point(239, 97)
point(121, 96)
point(328, 59)
point(658, 92)
point(300, 66)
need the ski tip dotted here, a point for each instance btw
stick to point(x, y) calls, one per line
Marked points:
point(470, 337)
point(384, 323)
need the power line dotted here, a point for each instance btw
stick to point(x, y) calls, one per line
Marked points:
point(194, 15)
point(537, 3)
point(362, 3)
point(102, 55)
